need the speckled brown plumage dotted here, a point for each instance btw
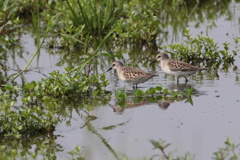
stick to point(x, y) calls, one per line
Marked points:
point(175, 67)
point(133, 76)
point(132, 73)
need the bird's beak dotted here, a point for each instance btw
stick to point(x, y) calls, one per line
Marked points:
point(153, 62)
point(109, 69)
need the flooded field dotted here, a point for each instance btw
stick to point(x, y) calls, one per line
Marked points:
point(107, 131)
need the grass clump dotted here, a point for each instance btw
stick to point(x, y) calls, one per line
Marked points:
point(96, 17)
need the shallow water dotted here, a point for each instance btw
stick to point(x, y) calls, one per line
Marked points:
point(200, 128)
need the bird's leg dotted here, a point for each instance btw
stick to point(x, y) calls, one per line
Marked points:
point(182, 76)
point(136, 86)
point(177, 80)
point(186, 79)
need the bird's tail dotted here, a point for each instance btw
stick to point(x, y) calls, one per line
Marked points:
point(202, 69)
point(154, 75)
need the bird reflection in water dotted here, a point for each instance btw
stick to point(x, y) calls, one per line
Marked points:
point(162, 102)
point(165, 103)
point(183, 87)
point(119, 107)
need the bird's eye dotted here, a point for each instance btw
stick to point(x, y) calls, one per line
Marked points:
point(113, 65)
point(159, 57)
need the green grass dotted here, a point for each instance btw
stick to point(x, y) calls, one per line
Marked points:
point(97, 17)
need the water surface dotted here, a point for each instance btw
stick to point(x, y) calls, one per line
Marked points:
point(200, 128)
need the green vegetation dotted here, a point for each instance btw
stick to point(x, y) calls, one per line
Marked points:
point(43, 149)
point(64, 86)
point(230, 151)
point(40, 110)
point(94, 17)
point(161, 145)
point(204, 51)
point(88, 34)
point(78, 23)
point(158, 95)
point(46, 150)
point(142, 22)
point(153, 92)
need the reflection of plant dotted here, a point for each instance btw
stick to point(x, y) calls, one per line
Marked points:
point(30, 147)
point(161, 145)
point(76, 154)
point(230, 151)
point(34, 147)
point(92, 129)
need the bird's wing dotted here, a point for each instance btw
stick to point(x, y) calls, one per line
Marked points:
point(132, 73)
point(176, 65)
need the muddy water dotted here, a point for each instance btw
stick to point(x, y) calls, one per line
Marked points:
point(200, 128)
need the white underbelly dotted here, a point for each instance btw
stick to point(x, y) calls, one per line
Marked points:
point(179, 73)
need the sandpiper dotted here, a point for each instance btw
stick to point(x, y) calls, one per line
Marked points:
point(132, 76)
point(175, 67)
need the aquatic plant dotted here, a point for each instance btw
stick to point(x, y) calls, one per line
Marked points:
point(153, 91)
point(96, 17)
point(151, 95)
point(161, 145)
point(42, 147)
point(202, 50)
point(138, 21)
point(230, 151)
point(10, 28)
point(145, 22)
point(39, 111)
point(65, 86)
point(76, 154)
